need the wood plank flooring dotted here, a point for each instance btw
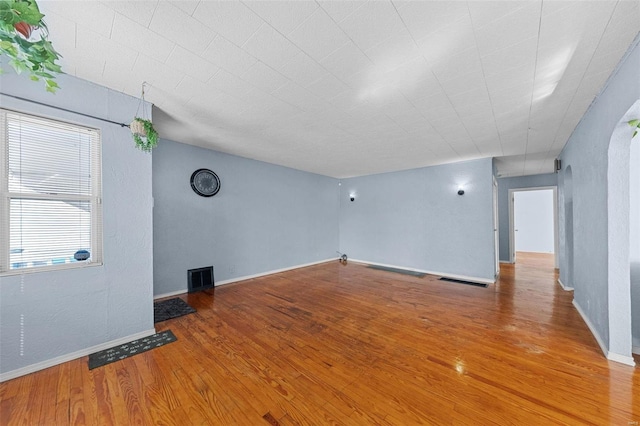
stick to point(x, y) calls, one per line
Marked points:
point(349, 345)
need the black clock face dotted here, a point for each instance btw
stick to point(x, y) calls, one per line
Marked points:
point(205, 183)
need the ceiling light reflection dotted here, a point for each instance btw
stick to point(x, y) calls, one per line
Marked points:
point(550, 72)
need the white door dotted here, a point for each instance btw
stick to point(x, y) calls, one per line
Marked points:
point(534, 221)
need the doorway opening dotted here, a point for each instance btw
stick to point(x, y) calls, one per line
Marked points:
point(533, 226)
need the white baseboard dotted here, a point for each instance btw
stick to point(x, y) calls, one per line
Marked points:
point(622, 359)
point(440, 274)
point(612, 356)
point(173, 293)
point(508, 262)
point(248, 277)
point(586, 320)
point(564, 287)
point(636, 350)
point(71, 356)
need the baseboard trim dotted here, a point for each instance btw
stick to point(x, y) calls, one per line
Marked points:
point(508, 262)
point(636, 350)
point(564, 287)
point(612, 356)
point(173, 293)
point(591, 327)
point(248, 277)
point(622, 359)
point(439, 274)
point(71, 356)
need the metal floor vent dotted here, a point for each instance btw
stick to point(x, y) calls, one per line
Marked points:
point(200, 279)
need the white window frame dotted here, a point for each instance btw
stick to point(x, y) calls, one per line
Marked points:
point(95, 199)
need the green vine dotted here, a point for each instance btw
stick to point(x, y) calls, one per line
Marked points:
point(148, 141)
point(635, 124)
point(18, 18)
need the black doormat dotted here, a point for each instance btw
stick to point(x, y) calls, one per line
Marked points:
point(170, 308)
point(135, 347)
point(464, 282)
point(397, 271)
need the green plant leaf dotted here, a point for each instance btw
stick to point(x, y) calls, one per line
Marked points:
point(634, 123)
point(27, 12)
point(37, 57)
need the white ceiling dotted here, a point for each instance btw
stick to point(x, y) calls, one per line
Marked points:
point(348, 88)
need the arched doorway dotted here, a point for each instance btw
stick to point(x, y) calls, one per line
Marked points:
point(567, 280)
point(618, 245)
point(634, 240)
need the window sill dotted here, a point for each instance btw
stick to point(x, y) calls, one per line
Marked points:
point(50, 268)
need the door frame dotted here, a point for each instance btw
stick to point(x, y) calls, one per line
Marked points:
point(512, 234)
point(496, 227)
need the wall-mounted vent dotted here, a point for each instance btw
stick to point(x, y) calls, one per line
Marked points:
point(557, 165)
point(200, 279)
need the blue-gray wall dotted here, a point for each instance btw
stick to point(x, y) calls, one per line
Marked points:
point(586, 157)
point(504, 185)
point(634, 237)
point(53, 314)
point(415, 219)
point(264, 218)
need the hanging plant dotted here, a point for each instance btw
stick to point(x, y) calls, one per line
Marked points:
point(635, 124)
point(18, 20)
point(144, 135)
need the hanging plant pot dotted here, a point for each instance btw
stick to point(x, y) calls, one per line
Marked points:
point(137, 128)
point(37, 58)
point(24, 29)
point(144, 135)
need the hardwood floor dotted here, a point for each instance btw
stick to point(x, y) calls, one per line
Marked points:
point(346, 344)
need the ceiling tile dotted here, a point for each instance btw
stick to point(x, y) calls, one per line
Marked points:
point(173, 22)
point(303, 70)
point(451, 39)
point(346, 61)
point(372, 24)
point(456, 66)
point(398, 49)
point(131, 34)
point(298, 96)
point(305, 36)
point(138, 11)
point(462, 83)
point(188, 6)
point(511, 29)
point(283, 15)
point(426, 17)
point(520, 55)
point(270, 47)
point(228, 56)
point(232, 19)
point(484, 13)
point(264, 77)
point(63, 31)
point(230, 84)
point(93, 15)
point(327, 87)
point(191, 64)
point(155, 73)
point(339, 10)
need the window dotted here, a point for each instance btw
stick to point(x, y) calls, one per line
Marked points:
point(50, 194)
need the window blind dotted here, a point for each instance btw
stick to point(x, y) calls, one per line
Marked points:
point(51, 193)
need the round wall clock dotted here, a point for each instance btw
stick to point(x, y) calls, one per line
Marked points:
point(205, 183)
